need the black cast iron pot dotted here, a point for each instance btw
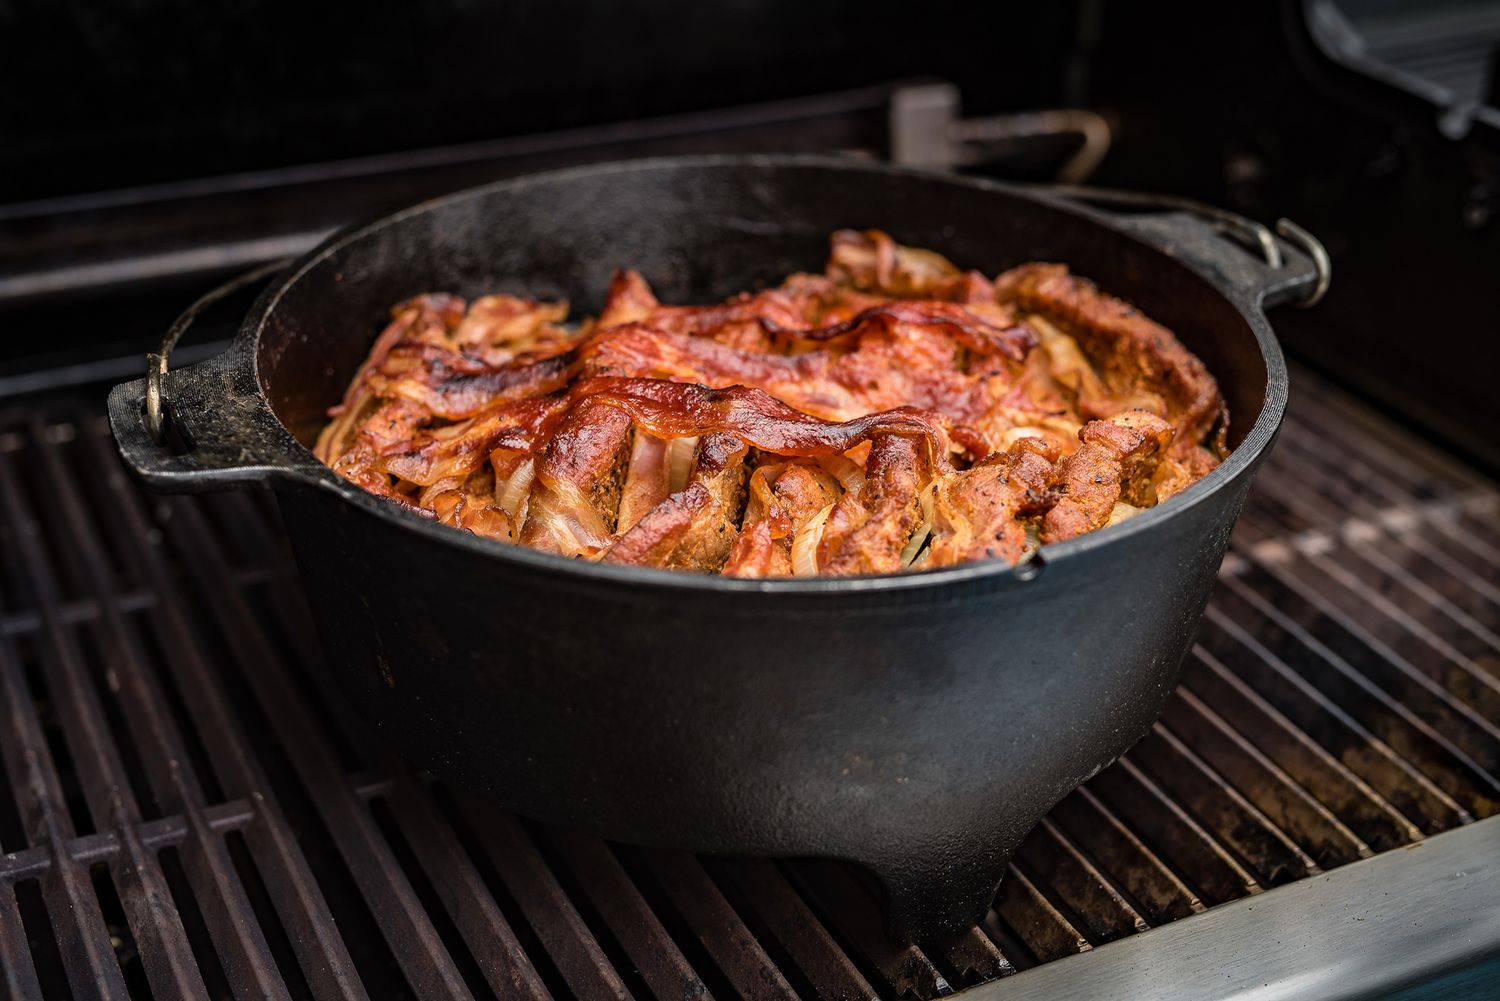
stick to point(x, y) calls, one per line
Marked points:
point(918, 724)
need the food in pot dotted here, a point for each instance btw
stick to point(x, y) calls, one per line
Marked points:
point(892, 413)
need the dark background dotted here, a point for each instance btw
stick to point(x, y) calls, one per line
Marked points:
point(1232, 104)
point(126, 94)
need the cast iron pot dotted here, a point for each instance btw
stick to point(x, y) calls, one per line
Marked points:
point(919, 724)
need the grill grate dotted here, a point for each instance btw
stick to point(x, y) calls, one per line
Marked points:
point(186, 812)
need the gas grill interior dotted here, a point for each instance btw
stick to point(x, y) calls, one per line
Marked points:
point(187, 810)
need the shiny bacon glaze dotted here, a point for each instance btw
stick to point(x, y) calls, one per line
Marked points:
point(893, 412)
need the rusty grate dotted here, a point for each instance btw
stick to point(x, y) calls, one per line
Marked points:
point(186, 812)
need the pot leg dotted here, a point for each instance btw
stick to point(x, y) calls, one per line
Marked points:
point(931, 897)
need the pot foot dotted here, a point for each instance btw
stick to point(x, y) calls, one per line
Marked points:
point(928, 899)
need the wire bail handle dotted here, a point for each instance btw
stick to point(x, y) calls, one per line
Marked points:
point(158, 400)
point(1245, 230)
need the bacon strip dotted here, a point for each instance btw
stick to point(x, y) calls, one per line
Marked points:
point(453, 386)
point(459, 449)
point(822, 383)
point(676, 410)
point(780, 319)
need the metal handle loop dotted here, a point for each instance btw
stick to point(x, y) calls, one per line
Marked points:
point(157, 399)
point(1313, 248)
point(1245, 230)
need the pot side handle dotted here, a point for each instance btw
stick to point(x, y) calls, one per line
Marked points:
point(1288, 266)
point(205, 427)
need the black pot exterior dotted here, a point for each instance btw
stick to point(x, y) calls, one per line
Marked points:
point(920, 735)
point(918, 725)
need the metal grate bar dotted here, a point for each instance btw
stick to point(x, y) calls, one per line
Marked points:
point(1093, 903)
point(129, 601)
point(973, 954)
point(102, 846)
point(1446, 578)
point(241, 941)
point(638, 929)
point(1472, 540)
point(849, 910)
point(829, 969)
point(1196, 856)
point(1028, 913)
point(1386, 622)
point(1368, 814)
point(1155, 891)
point(71, 902)
point(1319, 408)
point(1243, 831)
point(299, 904)
point(1389, 630)
point(17, 971)
point(408, 930)
point(488, 935)
point(567, 939)
point(164, 947)
point(735, 950)
point(1330, 723)
point(1405, 727)
point(70, 613)
point(1305, 821)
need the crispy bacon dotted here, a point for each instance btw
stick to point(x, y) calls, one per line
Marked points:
point(677, 410)
point(827, 385)
point(780, 319)
point(895, 411)
point(454, 386)
point(459, 449)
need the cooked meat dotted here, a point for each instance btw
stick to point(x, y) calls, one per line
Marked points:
point(784, 498)
point(981, 512)
point(892, 412)
point(1115, 462)
point(695, 528)
point(576, 493)
point(868, 528)
point(1137, 358)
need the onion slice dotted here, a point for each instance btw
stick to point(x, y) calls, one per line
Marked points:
point(805, 545)
point(680, 454)
point(516, 488)
point(845, 470)
point(761, 498)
